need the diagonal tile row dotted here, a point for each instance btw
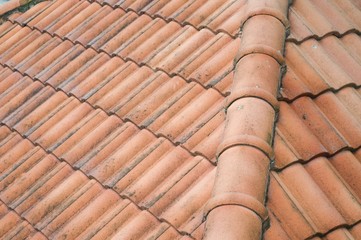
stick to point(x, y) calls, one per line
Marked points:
point(199, 56)
point(55, 214)
point(150, 99)
point(80, 79)
point(321, 195)
point(218, 16)
point(317, 66)
point(323, 17)
point(13, 227)
point(150, 171)
point(322, 126)
point(54, 198)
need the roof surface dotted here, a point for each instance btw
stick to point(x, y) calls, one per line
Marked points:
point(113, 120)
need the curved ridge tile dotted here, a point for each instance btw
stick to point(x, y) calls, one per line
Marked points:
point(236, 209)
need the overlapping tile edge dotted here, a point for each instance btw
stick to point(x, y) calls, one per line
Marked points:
point(236, 209)
point(34, 85)
point(42, 201)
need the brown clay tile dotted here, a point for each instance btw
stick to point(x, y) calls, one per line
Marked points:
point(185, 211)
point(128, 81)
point(206, 140)
point(35, 56)
point(143, 46)
point(314, 67)
point(245, 224)
point(110, 167)
point(11, 105)
point(31, 13)
point(63, 129)
point(62, 15)
point(283, 205)
point(57, 63)
point(82, 65)
point(173, 168)
point(45, 61)
point(44, 204)
point(9, 5)
point(68, 25)
point(49, 119)
point(192, 116)
point(18, 84)
point(348, 166)
point(309, 18)
point(14, 48)
point(322, 179)
point(6, 27)
point(88, 25)
point(126, 33)
point(27, 108)
point(13, 227)
point(86, 138)
point(331, 183)
point(218, 16)
point(149, 104)
point(11, 36)
point(43, 13)
point(107, 29)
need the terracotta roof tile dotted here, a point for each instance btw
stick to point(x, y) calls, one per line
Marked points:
point(319, 18)
point(321, 180)
point(119, 107)
point(319, 124)
point(173, 46)
point(13, 227)
point(317, 66)
point(53, 197)
point(218, 16)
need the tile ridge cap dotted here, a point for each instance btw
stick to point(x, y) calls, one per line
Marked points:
point(247, 143)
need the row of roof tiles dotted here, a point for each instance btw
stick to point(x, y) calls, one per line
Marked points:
point(54, 198)
point(307, 18)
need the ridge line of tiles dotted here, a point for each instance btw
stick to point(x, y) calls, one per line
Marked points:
point(161, 220)
point(166, 20)
point(319, 38)
point(325, 154)
point(160, 135)
point(314, 96)
point(155, 70)
point(23, 219)
point(239, 198)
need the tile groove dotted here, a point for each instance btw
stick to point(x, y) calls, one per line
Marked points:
point(319, 38)
point(23, 219)
point(166, 20)
point(91, 178)
point(126, 60)
point(113, 114)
